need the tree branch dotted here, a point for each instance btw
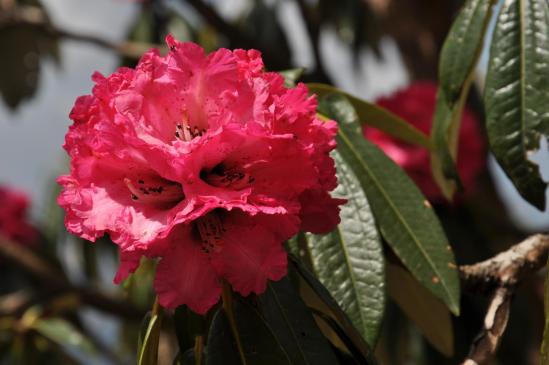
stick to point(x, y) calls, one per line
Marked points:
point(485, 345)
point(507, 268)
point(33, 16)
point(501, 274)
point(55, 282)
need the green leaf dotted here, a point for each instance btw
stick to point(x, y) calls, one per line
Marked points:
point(517, 93)
point(64, 334)
point(545, 343)
point(377, 117)
point(294, 326)
point(260, 345)
point(319, 299)
point(444, 137)
point(406, 219)
point(291, 76)
point(349, 261)
point(149, 337)
point(458, 58)
point(462, 47)
point(429, 314)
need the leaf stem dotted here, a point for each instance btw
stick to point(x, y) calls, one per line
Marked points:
point(198, 348)
point(227, 298)
point(156, 308)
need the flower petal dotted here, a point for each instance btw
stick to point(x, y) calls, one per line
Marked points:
point(252, 253)
point(185, 275)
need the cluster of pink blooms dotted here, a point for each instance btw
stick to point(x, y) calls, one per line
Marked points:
point(13, 217)
point(204, 161)
point(416, 104)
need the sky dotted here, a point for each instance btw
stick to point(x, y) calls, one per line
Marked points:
point(31, 138)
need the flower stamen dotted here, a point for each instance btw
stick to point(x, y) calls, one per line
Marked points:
point(155, 191)
point(231, 178)
point(184, 131)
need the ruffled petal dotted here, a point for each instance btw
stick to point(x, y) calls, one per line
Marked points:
point(320, 212)
point(129, 262)
point(252, 251)
point(185, 276)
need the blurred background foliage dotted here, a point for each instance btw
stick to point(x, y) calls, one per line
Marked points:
point(57, 303)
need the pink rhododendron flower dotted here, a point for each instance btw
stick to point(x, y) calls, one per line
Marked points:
point(13, 217)
point(416, 104)
point(205, 161)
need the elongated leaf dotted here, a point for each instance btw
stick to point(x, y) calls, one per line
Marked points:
point(260, 345)
point(349, 261)
point(443, 157)
point(462, 47)
point(517, 93)
point(405, 218)
point(544, 357)
point(294, 326)
point(319, 298)
point(427, 312)
point(64, 334)
point(291, 76)
point(456, 69)
point(149, 338)
point(377, 117)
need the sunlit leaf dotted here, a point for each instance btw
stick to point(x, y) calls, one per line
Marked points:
point(377, 117)
point(349, 261)
point(406, 219)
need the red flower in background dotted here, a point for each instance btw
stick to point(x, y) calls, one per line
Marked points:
point(13, 217)
point(206, 161)
point(416, 104)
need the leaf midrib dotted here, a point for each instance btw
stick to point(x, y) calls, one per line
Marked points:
point(347, 260)
point(391, 205)
point(522, 75)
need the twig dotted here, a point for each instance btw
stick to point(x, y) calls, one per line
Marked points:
point(55, 282)
point(484, 347)
point(34, 16)
point(501, 274)
point(507, 268)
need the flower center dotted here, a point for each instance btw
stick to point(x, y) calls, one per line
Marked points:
point(155, 190)
point(222, 176)
point(185, 132)
point(210, 229)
